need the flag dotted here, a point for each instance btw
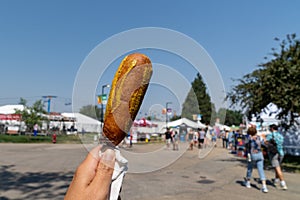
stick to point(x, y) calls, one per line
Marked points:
point(99, 99)
point(102, 99)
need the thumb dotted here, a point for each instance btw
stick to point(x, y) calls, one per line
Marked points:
point(104, 172)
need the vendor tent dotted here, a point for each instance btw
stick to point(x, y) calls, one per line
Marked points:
point(8, 114)
point(10, 109)
point(222, 126)
point(185, 122)
point(266, 117)
point(83, 122)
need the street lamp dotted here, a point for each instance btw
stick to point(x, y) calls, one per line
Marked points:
point(102, 118)
point(167, 113)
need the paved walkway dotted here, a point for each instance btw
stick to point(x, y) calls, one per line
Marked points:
point(44, 171)
point(210, 173)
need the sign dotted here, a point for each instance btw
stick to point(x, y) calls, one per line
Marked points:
point(169, 111)
point(102, 99)
point(199, 117)
point(16, 117)
point(194, 117)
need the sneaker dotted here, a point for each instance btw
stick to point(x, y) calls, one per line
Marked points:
point(247, 184)
point(276, 182)
point(264, 189)
point(283, 185)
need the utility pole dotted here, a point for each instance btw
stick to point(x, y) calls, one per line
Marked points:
point(49, 97)
point(102, 107)
point(167, 113)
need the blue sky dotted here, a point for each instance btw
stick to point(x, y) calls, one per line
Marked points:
point(44, 43)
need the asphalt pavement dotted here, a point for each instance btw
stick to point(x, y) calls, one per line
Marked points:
point(44, 171)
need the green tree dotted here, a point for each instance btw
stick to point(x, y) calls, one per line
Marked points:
point(175, 118)
point(92, 111)
point(198, 102)
point(32, 115)
point(275, 81)
point(23, 101)
point(232, 117)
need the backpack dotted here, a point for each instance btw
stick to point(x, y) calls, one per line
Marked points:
point(272, 146)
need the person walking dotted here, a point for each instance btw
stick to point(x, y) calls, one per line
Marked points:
point(255, 157)
point(130, 139)
point(231, 140)
point(175, 139)
point(35, 130)
point(201, 137)
point(276, 157)
point(224, 139)
point(196, 138)
point(168, 137)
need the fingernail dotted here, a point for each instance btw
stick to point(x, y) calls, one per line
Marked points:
point(108, 157)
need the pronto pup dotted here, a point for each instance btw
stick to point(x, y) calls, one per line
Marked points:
point(126, 95)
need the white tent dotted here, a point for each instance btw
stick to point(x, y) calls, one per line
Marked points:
point(10, 109)
point(83, 122)
point(268, 115)
point(187, 122)
point(222, 126)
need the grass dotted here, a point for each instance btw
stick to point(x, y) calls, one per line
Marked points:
point(291, 163)
point(74, 139)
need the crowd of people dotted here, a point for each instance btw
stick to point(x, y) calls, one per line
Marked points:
point(86, 180)
point(200, 138)
point(252, 146)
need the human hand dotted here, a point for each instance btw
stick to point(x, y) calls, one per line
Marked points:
point(92, 178)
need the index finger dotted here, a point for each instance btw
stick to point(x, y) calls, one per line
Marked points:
point(104, 173)
point(87, 169)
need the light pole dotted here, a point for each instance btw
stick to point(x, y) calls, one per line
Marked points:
point(102, 110)
point(167, 113)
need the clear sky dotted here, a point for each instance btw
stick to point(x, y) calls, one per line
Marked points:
point(44, 43)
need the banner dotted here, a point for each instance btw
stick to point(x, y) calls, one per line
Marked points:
point(16, 117)
point(169, 111)
point(99, 99)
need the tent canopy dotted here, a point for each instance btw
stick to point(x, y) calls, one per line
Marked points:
point(84, 122)
point(10, 109)
point(187, 122)
point(222, 127)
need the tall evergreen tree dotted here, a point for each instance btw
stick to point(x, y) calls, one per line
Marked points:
point(198, 102)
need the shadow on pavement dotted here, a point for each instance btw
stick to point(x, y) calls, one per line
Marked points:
point(32, 185)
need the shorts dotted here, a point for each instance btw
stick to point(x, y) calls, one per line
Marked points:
point(276, 160)
point(168, 141)
point(201, 141)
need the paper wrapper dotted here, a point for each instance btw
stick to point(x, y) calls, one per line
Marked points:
point(120, 169)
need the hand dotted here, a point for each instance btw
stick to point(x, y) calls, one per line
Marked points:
point(92, 178)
